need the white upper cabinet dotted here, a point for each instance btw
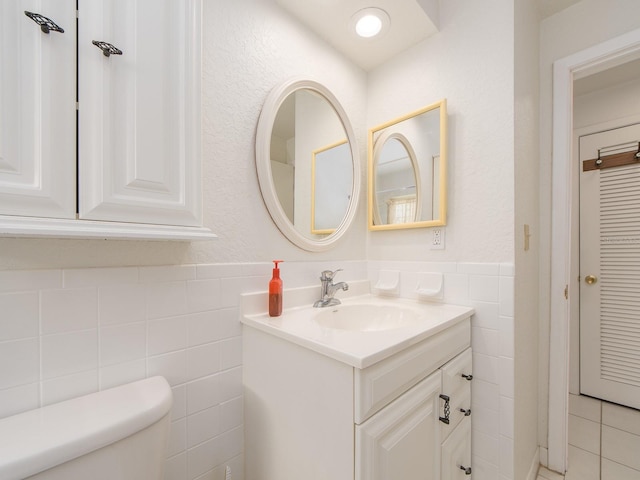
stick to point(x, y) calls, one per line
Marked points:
point(37, 110)
point(139, 128)
point(135, 170)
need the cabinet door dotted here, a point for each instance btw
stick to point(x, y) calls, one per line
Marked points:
point(139, 113)
point(37, 110)
point(456, 385)
point(401, 441)
point(456, 453)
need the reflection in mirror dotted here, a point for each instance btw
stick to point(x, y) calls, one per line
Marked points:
point(331, 174)
point(407, 170)
point(306, 164)
point(397, 197)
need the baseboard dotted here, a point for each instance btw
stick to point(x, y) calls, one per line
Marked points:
point(535, 464)
point(544, 457)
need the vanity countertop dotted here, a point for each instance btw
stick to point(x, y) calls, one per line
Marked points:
point(361, 349)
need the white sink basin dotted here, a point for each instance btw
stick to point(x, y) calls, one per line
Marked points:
point(366, 318)
point(361, 331)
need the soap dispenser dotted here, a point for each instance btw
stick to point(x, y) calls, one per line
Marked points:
point(275, 292)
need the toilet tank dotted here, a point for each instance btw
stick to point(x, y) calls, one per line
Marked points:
point(116, 434)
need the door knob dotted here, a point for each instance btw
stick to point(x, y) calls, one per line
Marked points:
point(590, 279)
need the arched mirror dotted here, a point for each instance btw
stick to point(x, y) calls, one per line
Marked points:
point(407, 170)
point(398, 196)
point(307, 164)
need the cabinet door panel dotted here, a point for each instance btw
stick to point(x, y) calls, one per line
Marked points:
point(139, 128)
point(37, 110)
point(402, 439)
point(456, 453)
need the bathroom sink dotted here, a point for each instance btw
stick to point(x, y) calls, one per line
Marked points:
point(366, 318)
point(361, 331)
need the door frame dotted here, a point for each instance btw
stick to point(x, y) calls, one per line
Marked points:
point(565, 70)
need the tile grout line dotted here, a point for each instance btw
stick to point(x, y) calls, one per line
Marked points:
point(600, 449)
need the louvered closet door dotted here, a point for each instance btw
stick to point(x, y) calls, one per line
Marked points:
point(610, 266)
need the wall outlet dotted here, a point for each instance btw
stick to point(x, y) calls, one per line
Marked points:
point(437, 238)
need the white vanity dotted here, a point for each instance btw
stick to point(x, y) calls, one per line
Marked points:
point(380, 391)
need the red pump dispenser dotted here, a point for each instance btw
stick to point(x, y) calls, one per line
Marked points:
point(275, 292)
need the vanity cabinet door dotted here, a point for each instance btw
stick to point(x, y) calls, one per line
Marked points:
point(37, 110)
point(456, 453)
point(139, 113)
point(402, 441)
point(457, 376)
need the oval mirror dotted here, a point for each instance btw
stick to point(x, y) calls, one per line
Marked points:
point(407, 170)
point(307, 164)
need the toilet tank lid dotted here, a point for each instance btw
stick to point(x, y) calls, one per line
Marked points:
point(40, 439)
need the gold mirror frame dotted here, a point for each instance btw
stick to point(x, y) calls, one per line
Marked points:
point(425, 189)
point(319, 191)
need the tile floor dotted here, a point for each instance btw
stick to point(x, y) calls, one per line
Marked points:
point(604, 442)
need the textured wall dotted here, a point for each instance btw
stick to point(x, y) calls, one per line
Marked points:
point(470, 62)
point(249, 46)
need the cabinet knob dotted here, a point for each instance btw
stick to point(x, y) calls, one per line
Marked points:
point(107, 48)
point(467, 470)
point(46, 24)
point(467, 377)
point(466, 412)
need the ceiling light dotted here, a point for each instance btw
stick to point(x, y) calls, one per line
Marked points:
point(370, 22)
point(368, 26)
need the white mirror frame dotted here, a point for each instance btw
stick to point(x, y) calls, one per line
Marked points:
point(263, 164)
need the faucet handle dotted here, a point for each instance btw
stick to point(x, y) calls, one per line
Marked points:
point(328, 274)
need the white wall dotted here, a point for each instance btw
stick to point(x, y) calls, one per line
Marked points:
point(583, 25)
point(469, 62)
point(526, 155)
point(249, 46)
point(69, 332)
point(66, 329)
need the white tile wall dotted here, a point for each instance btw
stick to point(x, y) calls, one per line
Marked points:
point(70, 332)
point(65, 333)
point(489, 288)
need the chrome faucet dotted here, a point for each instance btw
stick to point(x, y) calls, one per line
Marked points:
point(329, 289)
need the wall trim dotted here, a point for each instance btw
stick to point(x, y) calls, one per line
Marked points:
point(535, 465)
point(591, 60)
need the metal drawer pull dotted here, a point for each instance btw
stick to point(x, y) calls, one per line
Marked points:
point(467, 377)
point(467, 470)
point(46, 24)
point(447, 409)
point(107, 48)
point(466, 412)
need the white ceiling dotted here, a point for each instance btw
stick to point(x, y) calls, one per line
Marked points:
point(411, 22)
point(551, 7)
point(330, 19)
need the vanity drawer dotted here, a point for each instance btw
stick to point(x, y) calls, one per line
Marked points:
point(456, 387)
point(457, 373)
point(379, 384)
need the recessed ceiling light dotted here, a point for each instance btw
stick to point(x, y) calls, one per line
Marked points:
point(370, 22)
